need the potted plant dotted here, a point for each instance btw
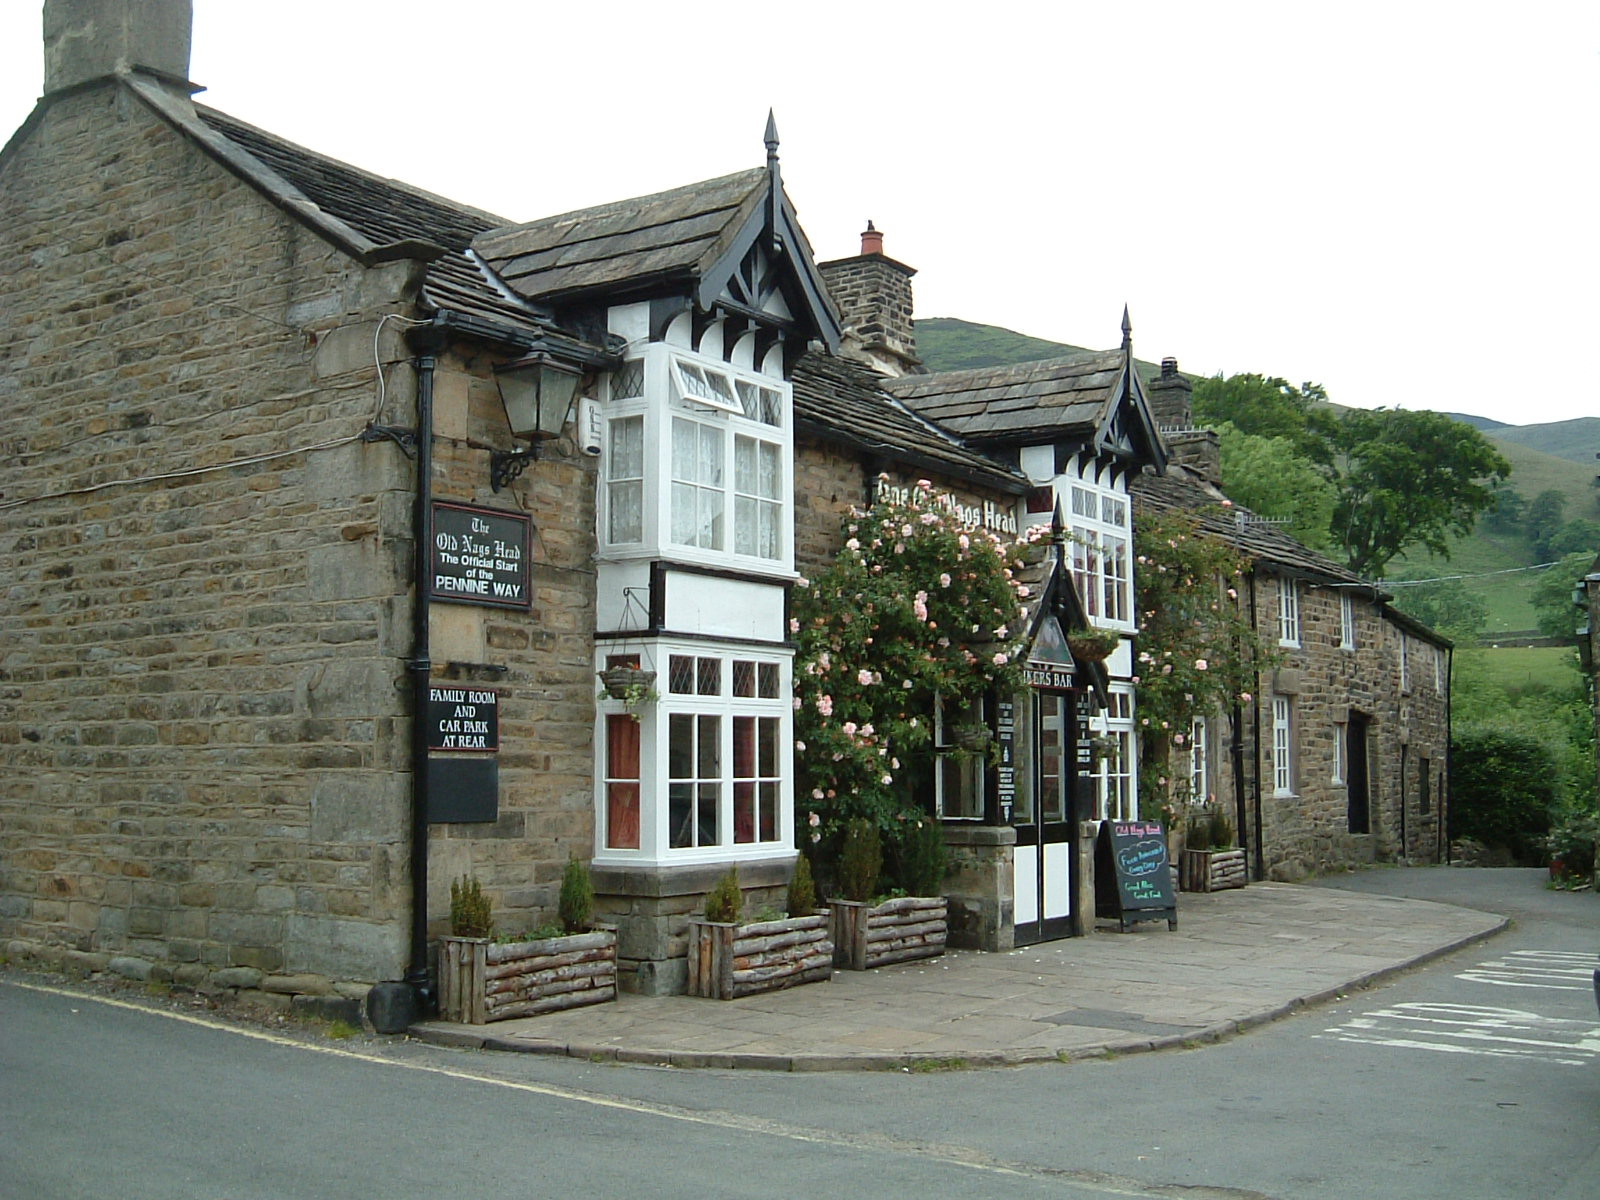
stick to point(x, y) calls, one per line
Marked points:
point(900, 928)
point(729, 958)
point(483, 978)
point(1210, 861)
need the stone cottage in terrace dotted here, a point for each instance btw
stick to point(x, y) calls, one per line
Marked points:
point(1342, 756)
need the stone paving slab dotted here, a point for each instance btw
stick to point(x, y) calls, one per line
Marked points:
point(1237, 959)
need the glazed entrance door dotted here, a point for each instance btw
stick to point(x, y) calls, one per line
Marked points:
point(1043, 884)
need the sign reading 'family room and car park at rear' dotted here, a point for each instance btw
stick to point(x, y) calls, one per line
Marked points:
point(480, 556)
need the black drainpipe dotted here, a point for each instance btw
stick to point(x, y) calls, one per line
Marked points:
point(1441, 852)
point(391, 1007)
point(1405, 845)
point(1261, 832)
point(427, 340)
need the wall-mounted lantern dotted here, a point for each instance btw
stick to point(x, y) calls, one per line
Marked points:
point(537, 391)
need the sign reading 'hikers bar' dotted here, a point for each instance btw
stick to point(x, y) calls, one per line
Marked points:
point(480, 556)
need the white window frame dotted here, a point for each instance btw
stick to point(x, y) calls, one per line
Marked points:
point(1282, 746)
point(1116, 776)
point(655, 782)
point(1405, 662)
point(1347, 620)
point(1288, 612)
point(748, 415)
point(1102, 551)
point(1341, 748)
point(1200, 761)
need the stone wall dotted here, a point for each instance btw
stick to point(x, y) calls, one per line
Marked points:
point(204, 697)
point(199, 720)
point(873, 296)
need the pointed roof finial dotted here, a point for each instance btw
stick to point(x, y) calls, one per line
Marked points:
point(1127, 329)
point(774, 185)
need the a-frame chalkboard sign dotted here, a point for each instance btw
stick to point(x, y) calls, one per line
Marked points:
point(1132, 874)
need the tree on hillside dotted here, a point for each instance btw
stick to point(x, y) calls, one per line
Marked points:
point(1268, 476)
point(1408, 479)
point(1260, 406)
point(1552, 596)
point(1446, 606)
point(1398, 478)
point(1546, 513)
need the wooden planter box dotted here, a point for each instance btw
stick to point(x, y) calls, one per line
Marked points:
point(729, 961)
point(1211, 870)
point(899, 930)
point(482, 981)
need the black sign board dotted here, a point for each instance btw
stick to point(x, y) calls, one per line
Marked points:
point(462, 790)
point(463, 718)
point(1005, 735)
point(1132, 875)
point(480, 556)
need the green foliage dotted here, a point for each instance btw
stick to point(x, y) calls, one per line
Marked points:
point(802, 899)
point(915, 608)
point(1447, 606)
point(1408, 478)
point(860, 860)
point(924, 860)
point(1271, 478)
point(1209, 829)
point(1269, 408)
point(1573, 843)
point(1503, 790)
point(576, 903)
point(725, 901)
point(1559, 617)
point(469, 909)
point(1197, 649)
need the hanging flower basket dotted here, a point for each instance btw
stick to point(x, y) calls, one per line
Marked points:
point(621, 683)
point(1092, 645)
point(971, 737)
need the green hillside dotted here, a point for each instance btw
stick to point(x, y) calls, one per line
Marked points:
point(1577, 440)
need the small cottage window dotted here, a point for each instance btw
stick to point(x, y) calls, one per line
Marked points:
point(1288, 613)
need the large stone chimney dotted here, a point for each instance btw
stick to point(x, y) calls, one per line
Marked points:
point(1171, 404)
point(91, 39)
point(873, 295)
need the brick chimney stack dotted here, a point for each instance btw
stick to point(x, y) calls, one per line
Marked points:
point(1172, 405)
point(92, 39)
point(873, 295)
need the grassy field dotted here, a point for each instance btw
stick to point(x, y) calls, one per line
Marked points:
point(1517, 669)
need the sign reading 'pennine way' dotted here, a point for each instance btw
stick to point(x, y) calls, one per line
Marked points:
point(480, 556)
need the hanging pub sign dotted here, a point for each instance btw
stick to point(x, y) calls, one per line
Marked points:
point(1132, 874)
point(480, 556)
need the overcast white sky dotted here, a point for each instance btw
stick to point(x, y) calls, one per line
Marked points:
point(1397, 200)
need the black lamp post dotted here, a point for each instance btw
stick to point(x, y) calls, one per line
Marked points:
point(537, 391)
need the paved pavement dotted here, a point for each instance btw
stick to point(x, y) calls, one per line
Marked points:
point(1237, 959)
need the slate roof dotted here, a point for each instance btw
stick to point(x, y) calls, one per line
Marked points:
point(670, 234)
point(846, 402)
point(385, 214)
point(1267, 545)
point(1182, 489)
point(1055, 396)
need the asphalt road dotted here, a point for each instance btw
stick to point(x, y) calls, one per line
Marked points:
point(1477, 1076)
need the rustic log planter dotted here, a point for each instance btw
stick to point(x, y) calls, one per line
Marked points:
point(728, 961)
point(1212, 870)
point(482, 981)
point(866, 935)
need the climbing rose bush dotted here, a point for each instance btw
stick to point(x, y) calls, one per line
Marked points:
point(915, 606)
point(1197, 650)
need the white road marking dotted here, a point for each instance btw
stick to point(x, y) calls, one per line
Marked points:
point(1474, 1029)
point(1554, 969)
